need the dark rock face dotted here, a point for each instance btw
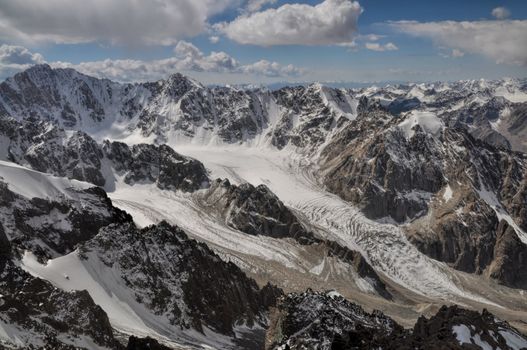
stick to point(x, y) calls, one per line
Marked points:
point(518, 120)
point(147, 343)
point(378, 169)
point(255, 211)
point(388, 174)
point(48, 227)
point(443, 331)
point(47, 93)
point(158, 164)
point(400, 105)
point(463, 238)
point(509, 265)
point(313, 320)
point(47, 315)
point(327, 321)
point(307, 119)
point(47, 148)
point(5, 248)
point(175, 276)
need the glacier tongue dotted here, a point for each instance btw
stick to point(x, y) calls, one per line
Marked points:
point(287, 174)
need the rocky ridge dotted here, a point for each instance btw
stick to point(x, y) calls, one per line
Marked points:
point(160, 266)
point(316, 320)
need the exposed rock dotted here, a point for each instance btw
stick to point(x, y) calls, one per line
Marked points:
point(34, 314)
point(52, 226)
point(158, 164)
point(509, 265)
point(258, 211)
point(47, 148)
point(178, 278)
point(456, 328)
point(5, 248)
point(313, 320)
point(147, 343)
point(255, 211)
point(461, 234)
point(374, 166)
point(327, 321)
point(41, 146)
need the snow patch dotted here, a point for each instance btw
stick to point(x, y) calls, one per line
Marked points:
point(30, 183)
point(464, 336)
point(492, 200)
point(447, 195)
point(428, 121)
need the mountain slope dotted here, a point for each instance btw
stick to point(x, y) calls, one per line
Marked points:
point(328, 321)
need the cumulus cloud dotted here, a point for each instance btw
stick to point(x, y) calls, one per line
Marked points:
point(214, 39)
point(271, 69)
point(328, 23)
point(503, 41)
point(500, 12)
point(187, 57)
point(370, 37)
point(110, 21)
point(380, 47)
point(10, 54)
point(256, 5)
point(16, 58)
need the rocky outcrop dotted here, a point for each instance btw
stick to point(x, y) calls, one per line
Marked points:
point(443, 183)
point(49, 227)
point(460, 232)
point(156, 164)
point(41, 146)
point(47, 148)
point(314, 320)
point(179, 278)
point(35, 314)
point(327, 321)
point(370, 163)
point(509, 265)
point(5, 248)
point(135, 343)
point(255, 211)
point(456, 328)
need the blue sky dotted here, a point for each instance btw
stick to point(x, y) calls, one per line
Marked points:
point(365, 41)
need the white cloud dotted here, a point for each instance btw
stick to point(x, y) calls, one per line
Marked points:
point(18, 55)
point(503, 41)
point(256, 5)
point(187, 58)
point(123, 22)
point(214, 39)
point(500, 12)
point(457, 53)
point(370, 37)
point(271, 69)
point(328, 23)
point(16, 58)
point(380, 47)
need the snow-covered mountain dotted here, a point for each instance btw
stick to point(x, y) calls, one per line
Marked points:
point(402, 198)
